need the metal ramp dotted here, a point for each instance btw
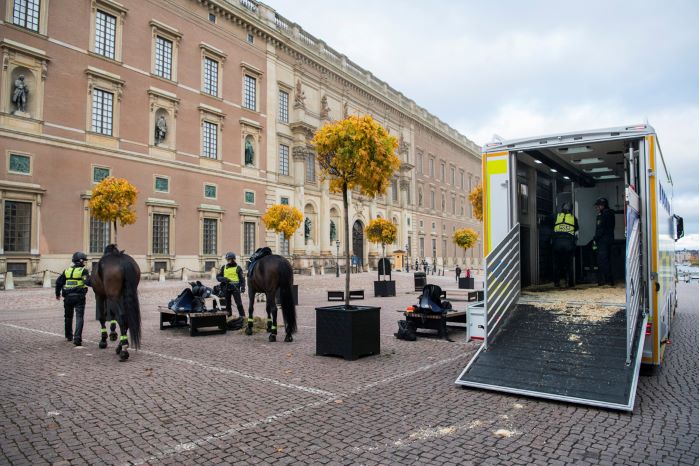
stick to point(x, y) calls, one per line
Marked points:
point(536, 351)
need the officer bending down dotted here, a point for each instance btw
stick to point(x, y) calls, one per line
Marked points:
point(564, 244)
point(72, 284)
point(233, 282)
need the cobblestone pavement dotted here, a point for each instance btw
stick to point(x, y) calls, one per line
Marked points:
point(224, 399)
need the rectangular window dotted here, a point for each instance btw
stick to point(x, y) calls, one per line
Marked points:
point(408, 243)
point(419, 162)
point(421, 247)
point(18, 269)
point(102, 108)
point(442, 171)
point(249, 92)
point(310, 168)
point(209, 139)
point(105, 34)
point(250, 197)
point(162, 184)
point(99, 174)
point(444, 247)
point(20, 164)
point(431, 167)
point(18, 224)
point(209, 227)
point(434, 244)
point(161, 234)
point(211, 77)
point(248, 238)
point(284, 245)
point(284, 160)
point(432, 199)
point(26, 14)
point(210, 191)
point(99, 235)
point(394, 190)
point(461, 179)
point(454, 206)
point(284, 107)
point(164, 58)
point(452, 176)
point(284, 201)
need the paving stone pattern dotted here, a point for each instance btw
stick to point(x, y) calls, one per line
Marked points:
point(234, 399)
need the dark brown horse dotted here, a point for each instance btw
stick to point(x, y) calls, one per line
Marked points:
point(271, 273)
point(115, 282)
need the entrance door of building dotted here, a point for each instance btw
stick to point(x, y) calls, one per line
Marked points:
point(358, 240)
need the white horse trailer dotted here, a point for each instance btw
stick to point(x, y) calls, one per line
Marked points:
point(538, 343)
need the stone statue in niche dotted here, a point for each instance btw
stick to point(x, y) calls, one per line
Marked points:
point(20, 94)
point(161, 129)
point(249, 152)
point(299, 95)
point(325, 109)
point(345, 110)
point(307, 229)
point(334, 234)
point(403, 145)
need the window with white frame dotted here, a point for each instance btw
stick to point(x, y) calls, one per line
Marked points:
point(211, 77)
point(310, 168)
point(161, 234)
point(248, 238)
point(284, 245)
point(394, 190)
point(210, 133)
point(17, 226)
point(434, 247)
point(454, 206)
point(452, 176)
point(419, 162)
point(105, 34)
point(102, 111)
point(100, 235)
point(443, 204)
point(249, 91)
point(461, 179)
point(283, 106)
point(432, 199)
point(209, 236)
point(442, 171)
point(431, 167)
point(25, 13)
point(284, 160)
point(421, 247)
point(164, 58)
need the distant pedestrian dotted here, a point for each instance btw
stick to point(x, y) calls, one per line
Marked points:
point(72, 284)
point(458, 271)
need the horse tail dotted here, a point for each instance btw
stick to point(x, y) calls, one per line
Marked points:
point(288, 309)
point(130, 301)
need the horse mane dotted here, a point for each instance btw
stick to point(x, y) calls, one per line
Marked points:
point(113, 250)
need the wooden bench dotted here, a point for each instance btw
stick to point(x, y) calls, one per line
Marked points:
point(197, 321)
point(340, 295)
point(439, 322)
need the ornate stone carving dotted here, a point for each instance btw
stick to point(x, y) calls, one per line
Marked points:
point(403, 145)
point(299, 153)
point(325, 109)
point(299, 96)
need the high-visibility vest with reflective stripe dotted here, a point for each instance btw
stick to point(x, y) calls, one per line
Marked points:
point(74, 277)
point(231, 273)
point(565, 223)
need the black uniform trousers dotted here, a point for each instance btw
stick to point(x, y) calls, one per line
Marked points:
point(74, 303)
point(233, 291)
point(604, 265)
point(563, 248)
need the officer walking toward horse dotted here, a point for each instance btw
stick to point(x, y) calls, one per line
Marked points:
point(72, 284)
point(233, 282)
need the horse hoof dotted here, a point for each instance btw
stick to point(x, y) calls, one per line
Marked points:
point(123, 356)
point(269, 327)
point(103, 344)
point(113, 337)
point(272, 338)
point(118, 350)
point(288, 338)
point(248, 331)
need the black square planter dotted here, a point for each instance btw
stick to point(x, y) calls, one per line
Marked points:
point(466, 283)
point(349, 333)
point(385, 288)
point(295, 295)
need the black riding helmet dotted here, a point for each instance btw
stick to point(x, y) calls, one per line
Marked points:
point(79, 257)
point(230, 255)
point(602, 202)
point(566, 207)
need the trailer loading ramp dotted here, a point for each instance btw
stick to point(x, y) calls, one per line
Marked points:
point(564, 356)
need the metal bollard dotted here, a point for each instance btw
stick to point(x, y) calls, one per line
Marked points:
point(9, 281)
point(161, 275)
point(184, 277)
point(47, 280)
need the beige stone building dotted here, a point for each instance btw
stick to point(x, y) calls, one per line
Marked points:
point(207, 107)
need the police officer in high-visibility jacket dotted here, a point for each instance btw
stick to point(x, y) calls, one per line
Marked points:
point(233, 282)
point(72, 284)
point(564, 244)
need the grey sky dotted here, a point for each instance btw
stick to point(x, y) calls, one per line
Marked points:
point(520, 69)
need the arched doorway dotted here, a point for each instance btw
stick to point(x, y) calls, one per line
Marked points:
point(358, 241)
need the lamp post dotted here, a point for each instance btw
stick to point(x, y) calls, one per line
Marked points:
point(337, 255)
point(407, 258)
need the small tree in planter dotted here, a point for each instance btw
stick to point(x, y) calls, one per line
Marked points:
point(465, 238)
point(113, 200)
point(382, 231)
point(353, 153)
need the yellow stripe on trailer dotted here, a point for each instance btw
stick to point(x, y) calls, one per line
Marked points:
point(495, 163)
point(653, 240)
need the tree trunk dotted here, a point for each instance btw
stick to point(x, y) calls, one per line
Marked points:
point(347, 246)
point(115, 232)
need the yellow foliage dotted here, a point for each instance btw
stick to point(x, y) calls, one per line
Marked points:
point(476, 197)
point(465, 238)
point(113, 200)
point(283, 219)
point(381, 231)
point(356, 152)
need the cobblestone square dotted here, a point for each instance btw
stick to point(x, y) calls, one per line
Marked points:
point(234, 399)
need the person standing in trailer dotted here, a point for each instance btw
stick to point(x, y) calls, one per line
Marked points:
point(564, 244)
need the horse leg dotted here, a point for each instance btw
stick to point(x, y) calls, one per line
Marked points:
point(123, 347)
point(251, 300)
point(112, 327)
point(271, 308)
point(101, 312)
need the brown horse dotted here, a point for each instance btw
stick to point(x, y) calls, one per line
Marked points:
point(115, 284)
point(271, 273)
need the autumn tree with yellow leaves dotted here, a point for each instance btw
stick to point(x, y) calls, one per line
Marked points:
point(283, 219)
point(381, 231)
point(465, 238)
point(356, 152)
point(476, 197)
point(113, 201)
